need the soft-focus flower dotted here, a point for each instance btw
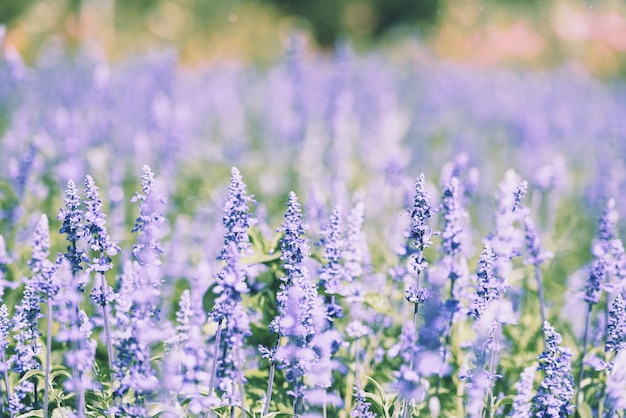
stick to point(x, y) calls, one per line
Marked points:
point(522, 402)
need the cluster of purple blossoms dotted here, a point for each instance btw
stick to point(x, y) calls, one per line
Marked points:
point(301, 315)
point(5, 260)
point(616, 329)
point(72, 217)
point(553, 398)
point(137, 306)
point(230, 284)
point(522, 405)
point(97, 237)
point(332, 275)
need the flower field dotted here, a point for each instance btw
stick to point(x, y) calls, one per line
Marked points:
point(332, 236)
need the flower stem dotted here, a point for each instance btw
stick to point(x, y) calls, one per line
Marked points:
point(270, 383)
point(48, 354)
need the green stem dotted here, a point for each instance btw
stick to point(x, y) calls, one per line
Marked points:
point(46, 395)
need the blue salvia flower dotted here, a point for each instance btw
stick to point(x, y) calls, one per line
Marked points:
point(237, 218)
point(419, 233)
point(189, 358)
point(489, 287)
point(27, 348)
point(332, 274)
point(361, 406)
point(355, 254)
point(293, 246)
point(553, 398)
point(96, 235)
point(597, 276)
point(4, 262)
point(148, 248)
point(301, 318)
point(95, 232)
point(300, 310)
point(606, 226)
point(453, 215)
point(5, 327)
point(536, 254)
point(75, 330)
point(407, 382)
point(616, 330)
point(230, 284)
point(615, 398)
point(72, 217)
point(43, 270)
point(137, 308)
point(522, 405)
point(506, 239)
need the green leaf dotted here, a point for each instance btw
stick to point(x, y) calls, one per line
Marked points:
point(278, 414)
point(584, 410)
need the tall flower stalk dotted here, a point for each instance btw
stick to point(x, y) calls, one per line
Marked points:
point(537, 256)
point(95, 232)
point(418, 238)
point(553, 398)
point(44, 278)
point(230, 285)
point(138, 305)
point(597, 276)
point(300, 310)
point(76, 327)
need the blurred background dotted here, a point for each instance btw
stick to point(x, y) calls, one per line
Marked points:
point(536, 34)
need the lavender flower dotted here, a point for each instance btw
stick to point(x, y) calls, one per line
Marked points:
point(553, 399)
point(522, 406)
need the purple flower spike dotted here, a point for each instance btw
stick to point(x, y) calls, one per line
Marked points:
point(553, 399)
point(236, 218)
